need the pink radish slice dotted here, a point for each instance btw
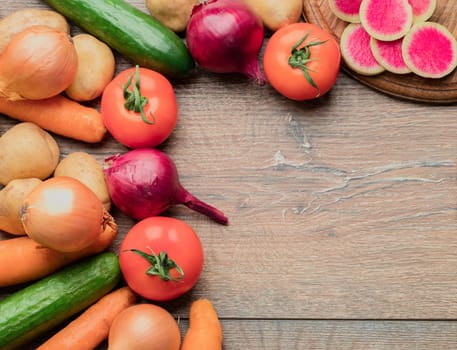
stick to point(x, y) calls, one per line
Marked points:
point(386, 20)
point(430, 50)
point(347, 10)
point(422, 9)
point(389, 55)
point(356, 51)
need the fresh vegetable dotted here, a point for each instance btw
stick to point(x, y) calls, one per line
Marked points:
point(39, 62)
point(144, 327)
point(275, 14)
point(356, 50)
point(161, 258)
point(430, 50)
point(144, 182)
point(85, 168)
point(422, 9)
point(389, 55)
point(386, 20)
point(347, 10)
point(59, 115)
point(41, 306)
point(225, 36)
point(91, 328)
point(173, 14)
point(22, 19)
point(27, 151)
point(130, 31)
point(301, 61)
point(205, 330)
point(95, 68)
point(24, 260)
point(11, 198)
point(63, 214)
point(139, 108)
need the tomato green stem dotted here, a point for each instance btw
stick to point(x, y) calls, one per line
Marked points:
point(301, 56)
point(161, 265)
point(134, 101)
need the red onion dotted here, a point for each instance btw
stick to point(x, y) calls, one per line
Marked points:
point(225, 36)
point(144, 182)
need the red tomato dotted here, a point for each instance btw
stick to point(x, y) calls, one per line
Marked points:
point(130, 127)
point(159, 236)
point(301, 61)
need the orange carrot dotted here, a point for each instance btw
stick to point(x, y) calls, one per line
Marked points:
point(59, 115)
point(24, 260)
point(92, 327)
point(205, 330)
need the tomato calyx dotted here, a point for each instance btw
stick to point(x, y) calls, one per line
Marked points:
point(301, 56)
point(161, 265)
point(134, 101)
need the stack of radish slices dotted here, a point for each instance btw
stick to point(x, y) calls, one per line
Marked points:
point(395, 36)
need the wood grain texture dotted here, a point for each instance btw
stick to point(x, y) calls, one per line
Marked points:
point(343, 208)
point(410, 86)
point(334, 334)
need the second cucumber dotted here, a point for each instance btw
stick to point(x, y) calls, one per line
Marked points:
point(131, 32)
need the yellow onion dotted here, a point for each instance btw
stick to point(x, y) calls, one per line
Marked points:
point(63, 214)
point(39, 62)
point(144, 327)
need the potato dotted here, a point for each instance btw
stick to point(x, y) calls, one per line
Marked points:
point(11, 198)
point(22, 19)
point(85, 168)
point(276, 14)
point(96, 64)
point(26, 150)
point(174, 14)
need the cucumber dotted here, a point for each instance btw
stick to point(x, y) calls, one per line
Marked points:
point(131, 32)
point(44, 304)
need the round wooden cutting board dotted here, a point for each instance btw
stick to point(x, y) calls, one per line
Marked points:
point(408, 86)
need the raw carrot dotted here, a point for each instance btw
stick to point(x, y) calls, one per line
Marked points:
point(89, 329)
point(24, 260)
point(205, 330)
point(59, 115)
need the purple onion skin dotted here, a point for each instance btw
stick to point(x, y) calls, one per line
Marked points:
point(144, 182)
point(225, 36)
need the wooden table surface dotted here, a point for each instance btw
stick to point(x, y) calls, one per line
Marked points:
point(343, 212)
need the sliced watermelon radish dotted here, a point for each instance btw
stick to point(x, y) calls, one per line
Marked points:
point(422, 9)
point(347, 10)
point(356, 51)
point(389, 55)
point(430, 50)
point(386, 20)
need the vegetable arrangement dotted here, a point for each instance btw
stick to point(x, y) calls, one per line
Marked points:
point(60, 203)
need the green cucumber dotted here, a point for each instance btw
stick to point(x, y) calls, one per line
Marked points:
point(130, 31)
point(44, 304)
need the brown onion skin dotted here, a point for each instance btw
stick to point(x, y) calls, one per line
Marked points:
point(144, 327)
point(38, 63)
point(63, 214)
